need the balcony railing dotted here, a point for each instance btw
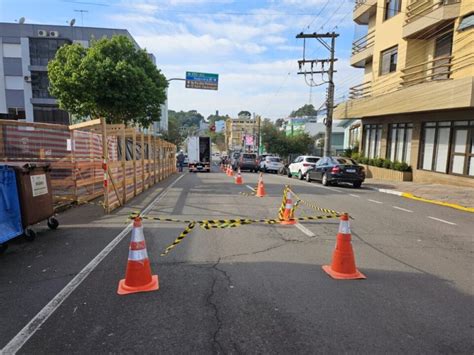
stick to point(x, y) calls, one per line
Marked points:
point(364, 42)
point(359, 3)
point(420, 8)
point(436, 69)
point(360, 91)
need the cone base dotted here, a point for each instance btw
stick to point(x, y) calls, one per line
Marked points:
point(289, 222)
point(237, 182)
point(341, 276)
point(123, 289)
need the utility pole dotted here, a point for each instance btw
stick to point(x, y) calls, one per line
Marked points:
point(314, 64)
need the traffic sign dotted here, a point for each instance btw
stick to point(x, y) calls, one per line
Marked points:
point(204, 81)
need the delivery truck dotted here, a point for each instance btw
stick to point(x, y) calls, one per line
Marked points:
point(199, 153)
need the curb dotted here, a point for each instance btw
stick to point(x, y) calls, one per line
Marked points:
point(435, 202)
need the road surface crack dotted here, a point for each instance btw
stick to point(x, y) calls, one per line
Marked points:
point(216, 345)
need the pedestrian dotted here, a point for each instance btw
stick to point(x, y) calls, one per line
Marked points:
point(180, 159)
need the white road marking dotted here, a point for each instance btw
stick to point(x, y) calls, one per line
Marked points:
point(442, 220)
point(402, 209)
point(250, 187)
point(354, 195)
point(304, 230)
point(375, 201)
point(37, 321)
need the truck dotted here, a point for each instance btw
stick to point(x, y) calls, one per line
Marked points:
point(199, 153)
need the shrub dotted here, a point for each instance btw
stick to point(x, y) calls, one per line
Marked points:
point(347, 153)
point(378, 162)
point(387, 164)
point(371, 161)
point(363, 160)
point(356, 157)
point(404, 167)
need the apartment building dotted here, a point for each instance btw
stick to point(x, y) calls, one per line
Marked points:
point(25, 50)
point(416, 102)
point(238, 132)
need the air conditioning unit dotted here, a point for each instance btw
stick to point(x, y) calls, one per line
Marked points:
point(53, 34)
point(42, 33)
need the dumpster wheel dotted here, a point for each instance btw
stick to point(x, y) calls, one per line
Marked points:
point(30, 234)
point(53, 223)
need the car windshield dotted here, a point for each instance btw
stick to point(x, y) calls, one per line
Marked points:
point(249, 156)
point(274, 160)
point(312, 160)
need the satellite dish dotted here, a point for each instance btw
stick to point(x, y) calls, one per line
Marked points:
point(21, 20)
point(72, 22)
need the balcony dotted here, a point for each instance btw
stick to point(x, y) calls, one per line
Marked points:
point(437, 69)
point(363, 49)
point(425, 16)
point(363, 10)
point(360, 91)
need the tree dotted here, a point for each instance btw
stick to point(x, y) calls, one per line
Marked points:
point(111, 79)
point(186, 118)
point(246, 114)
point(173, 134)
point(279, 122)
point(305, 110)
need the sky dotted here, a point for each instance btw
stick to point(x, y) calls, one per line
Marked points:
point(250, 44)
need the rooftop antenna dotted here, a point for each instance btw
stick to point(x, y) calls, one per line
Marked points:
point(72, 22)
point(82, 15)
point(21, 21)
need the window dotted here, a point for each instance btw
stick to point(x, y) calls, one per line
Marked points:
point(50, 114)
point(372, 140)
point(466, 22)
point(399, 142)
point(312, 160)
point(354, 133)
point(392, 7)
point(448, 147)
point(388, 60)
point(42, 50)
point(40, 84)
point(11, 50)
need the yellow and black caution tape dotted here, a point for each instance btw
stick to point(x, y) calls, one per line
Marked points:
point(283, 202)
point(312, 206)
point(79, 201)
point(180, 238)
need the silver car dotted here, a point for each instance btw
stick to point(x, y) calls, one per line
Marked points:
point(271, 164)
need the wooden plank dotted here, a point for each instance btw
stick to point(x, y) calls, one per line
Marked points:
point(86, 124)
point(2, 143)
point(134, 163)
point(34, 125)
point(105, 154)
point(124, 169)
point(113, 185)
point(142, 157)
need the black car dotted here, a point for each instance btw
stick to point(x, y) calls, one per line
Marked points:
point(337, 169)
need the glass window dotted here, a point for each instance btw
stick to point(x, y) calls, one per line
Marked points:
point(388, 61)
point(312, 160)
point(399, 142)
point(442, 150)
point(428, 148)
point(373, 135)
point(466, 22)
point(40, 84)
point(392, 7)
point(42, 50)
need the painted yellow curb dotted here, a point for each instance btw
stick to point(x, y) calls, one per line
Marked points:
point(446, 204)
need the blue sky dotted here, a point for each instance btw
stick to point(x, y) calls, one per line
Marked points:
point(250, 44)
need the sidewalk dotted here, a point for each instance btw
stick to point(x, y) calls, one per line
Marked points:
point(463, 196)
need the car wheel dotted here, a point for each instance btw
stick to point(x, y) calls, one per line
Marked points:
point(325, 181)
point(300, 175)
point(357, 184)
point(290, 175)
point(264, 169)
point(308, 179)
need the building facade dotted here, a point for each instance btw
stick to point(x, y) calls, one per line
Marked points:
point(238, 132)
point(25, 50)
point(416, 102)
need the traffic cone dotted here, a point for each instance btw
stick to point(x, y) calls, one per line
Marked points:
point(231, 172)
point(343, 262)
point(138, 277)
point(260, 187)
point(238, 178)
point(288, 218)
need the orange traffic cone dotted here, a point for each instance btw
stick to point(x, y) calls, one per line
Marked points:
point(288, 217)
point(343, 261)
point(229, 169)
point(138, 277)
point(260, 187)
point(231, 172)
point(238, 178)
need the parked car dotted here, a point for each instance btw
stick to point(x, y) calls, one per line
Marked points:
point(262, 158)
point(248, 161)
point(335, 170)
point(301, 164)
point(271, 164)
point(283, 170)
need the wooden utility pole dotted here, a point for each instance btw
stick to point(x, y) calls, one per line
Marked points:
point(314, 64)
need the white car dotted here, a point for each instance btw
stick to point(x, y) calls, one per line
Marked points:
point(271, 164)
point(300, 166)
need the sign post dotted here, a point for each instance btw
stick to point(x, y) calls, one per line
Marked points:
point(203, 81)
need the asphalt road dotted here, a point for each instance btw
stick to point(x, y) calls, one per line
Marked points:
point(253, 289)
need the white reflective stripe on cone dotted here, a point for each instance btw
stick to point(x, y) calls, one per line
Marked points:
point(137, 234)
point(137, 255)
point(344, 227)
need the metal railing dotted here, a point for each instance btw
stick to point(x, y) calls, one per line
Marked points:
point(436, 69)
point(360, 91)
point(364, 42)
point(420, 8)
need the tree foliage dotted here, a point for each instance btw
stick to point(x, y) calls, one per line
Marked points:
point(173, 134)
point(111, 79)
point(305, 110)
point(186, 119)
point(245, 114)
point(277, 142)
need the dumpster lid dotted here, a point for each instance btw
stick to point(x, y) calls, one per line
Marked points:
point(25, 167)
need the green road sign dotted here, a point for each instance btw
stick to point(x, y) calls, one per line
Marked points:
point(204, 81)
